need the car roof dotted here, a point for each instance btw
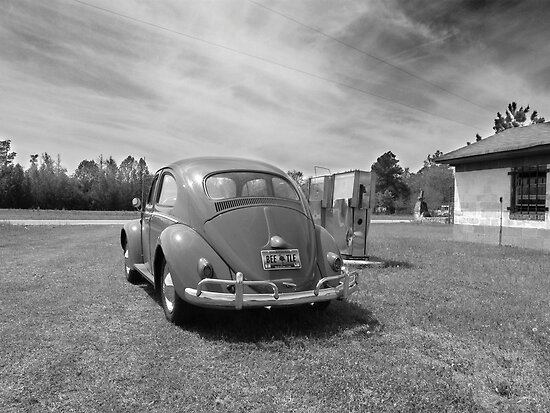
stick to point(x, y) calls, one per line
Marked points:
point(202, 166)
point(197, 207)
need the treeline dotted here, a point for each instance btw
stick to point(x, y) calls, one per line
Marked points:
point(398, 189)
point(95, 185)
point(103, 185)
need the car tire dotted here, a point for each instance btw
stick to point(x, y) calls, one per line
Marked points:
point(132, 276)
point(176, 310)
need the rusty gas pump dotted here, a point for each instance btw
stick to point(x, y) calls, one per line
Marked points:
point(342, 203)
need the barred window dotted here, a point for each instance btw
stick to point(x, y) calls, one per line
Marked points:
point(528, 193)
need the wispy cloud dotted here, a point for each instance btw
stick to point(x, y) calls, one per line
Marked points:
point(172, 79)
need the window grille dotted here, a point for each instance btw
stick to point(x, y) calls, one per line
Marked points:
point(528, 193)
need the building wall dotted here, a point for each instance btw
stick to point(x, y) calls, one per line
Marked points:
point(478, 211)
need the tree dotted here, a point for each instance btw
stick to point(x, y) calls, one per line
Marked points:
point(515, 118)
point(430, 159)
point(127, 170)
point(6, 171)
point(13, 187)
point(87, 177)
point(6, 157)
point(128, 181)
point(298, 177)
point(145, 178)
point(94, 185)
point(111, 188)
point(49, 185)
point(385, 201)
point(436, 180)
point(389, 177)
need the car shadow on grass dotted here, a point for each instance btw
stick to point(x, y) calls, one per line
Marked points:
point(275, 324)
point(263, 324)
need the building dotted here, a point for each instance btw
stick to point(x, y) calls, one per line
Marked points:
point(500, 188)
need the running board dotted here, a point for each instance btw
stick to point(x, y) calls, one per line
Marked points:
point(144, 271)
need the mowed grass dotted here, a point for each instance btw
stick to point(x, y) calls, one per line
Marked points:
point(55, 214)
point(446, 326)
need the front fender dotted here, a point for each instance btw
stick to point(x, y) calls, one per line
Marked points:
point(325, 244)
point(182, 248)
point(130, 236)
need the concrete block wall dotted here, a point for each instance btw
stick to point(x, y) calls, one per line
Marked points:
point(477, 195)
point(478, 210)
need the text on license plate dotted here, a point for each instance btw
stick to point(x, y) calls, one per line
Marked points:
point(281, 259)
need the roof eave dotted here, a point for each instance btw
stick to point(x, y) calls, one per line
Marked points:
point(508, 154)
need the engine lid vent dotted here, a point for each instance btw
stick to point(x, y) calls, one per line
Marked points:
point(240, 202)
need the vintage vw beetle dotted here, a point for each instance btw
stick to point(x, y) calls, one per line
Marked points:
point(231, 233)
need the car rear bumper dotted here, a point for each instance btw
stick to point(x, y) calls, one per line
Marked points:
point(347, 284)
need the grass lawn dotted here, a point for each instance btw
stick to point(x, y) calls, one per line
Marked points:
point(48, 214)
point(446, 326)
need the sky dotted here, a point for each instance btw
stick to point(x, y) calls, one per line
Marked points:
point(311, 85)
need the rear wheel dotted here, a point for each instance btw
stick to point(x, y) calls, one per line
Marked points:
point(175, 309)
point(132, 275)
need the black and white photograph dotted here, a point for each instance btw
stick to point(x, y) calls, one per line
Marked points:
point(274, 206)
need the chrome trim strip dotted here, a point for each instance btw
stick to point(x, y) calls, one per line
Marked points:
point(168, 217)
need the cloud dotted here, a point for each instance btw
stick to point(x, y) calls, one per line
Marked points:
point(172, 79)
point(61, 47)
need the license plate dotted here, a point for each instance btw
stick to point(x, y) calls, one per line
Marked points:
point(281, 259)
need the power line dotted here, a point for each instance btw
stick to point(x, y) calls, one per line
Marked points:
point(328, 36)
point(272, 62)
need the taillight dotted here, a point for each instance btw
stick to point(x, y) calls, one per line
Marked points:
point(334, 261)
point(205, 268)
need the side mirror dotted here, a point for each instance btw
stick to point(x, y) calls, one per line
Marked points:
point(136, 203)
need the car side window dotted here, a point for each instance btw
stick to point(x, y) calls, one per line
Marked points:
point(168, 191)
point(152, 190)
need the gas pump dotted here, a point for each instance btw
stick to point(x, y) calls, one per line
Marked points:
point(320, 197)
point(342, 203)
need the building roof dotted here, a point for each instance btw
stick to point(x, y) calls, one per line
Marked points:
point(523, 139)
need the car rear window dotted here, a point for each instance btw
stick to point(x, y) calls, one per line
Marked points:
point(227, 185)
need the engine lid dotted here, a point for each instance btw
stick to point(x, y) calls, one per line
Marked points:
point(271, 243)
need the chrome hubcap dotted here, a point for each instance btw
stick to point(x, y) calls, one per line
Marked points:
point(168, 292)
point(126, 256)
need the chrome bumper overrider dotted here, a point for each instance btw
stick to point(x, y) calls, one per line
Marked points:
point(238, 300)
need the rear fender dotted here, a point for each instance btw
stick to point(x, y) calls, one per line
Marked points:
point(183, 247)
point(131, 235)
point(325, 244)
